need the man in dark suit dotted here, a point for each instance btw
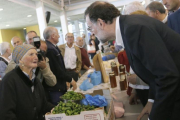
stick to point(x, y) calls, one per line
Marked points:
point(174, 21)
point(156, 10)
point(56, 63)
point(153, 52)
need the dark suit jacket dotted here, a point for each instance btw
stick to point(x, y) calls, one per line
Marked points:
point(153, 52)
point(174, 21)
point(57, 68)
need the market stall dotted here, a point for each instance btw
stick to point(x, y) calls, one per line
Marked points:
point(106, 89)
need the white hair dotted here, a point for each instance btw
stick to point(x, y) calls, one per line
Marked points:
point(3, 47)
point(132, 7)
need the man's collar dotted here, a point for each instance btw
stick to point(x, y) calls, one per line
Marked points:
point(78, 45)
point(70, 47)
point(165, 19)
point(5, 59)
point(119, 40)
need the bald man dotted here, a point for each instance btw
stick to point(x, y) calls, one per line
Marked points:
point(56, 63)
point(15, 41)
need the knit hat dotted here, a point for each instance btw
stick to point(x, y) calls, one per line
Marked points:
point(19, 51)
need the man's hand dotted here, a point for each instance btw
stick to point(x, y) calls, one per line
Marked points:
point(73, 83)
point(133, 99)
point(146, 110)
point(112, 48)
point(42, 64)
point(132, 78)
point(77, 71)
point(68, 85)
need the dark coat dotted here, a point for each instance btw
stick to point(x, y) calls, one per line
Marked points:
point(18, 102)
point(153, 51)
point(174, 21)
point(56, 64)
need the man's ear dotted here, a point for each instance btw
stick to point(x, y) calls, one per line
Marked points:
point(101, 23)
point(157, 12)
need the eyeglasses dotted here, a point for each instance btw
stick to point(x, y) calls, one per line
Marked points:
point(70, 36)
point(89, 29)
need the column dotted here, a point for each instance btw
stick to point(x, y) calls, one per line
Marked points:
point(41, 17)
point(147, 2)
point(76, 24)
point(64, 24)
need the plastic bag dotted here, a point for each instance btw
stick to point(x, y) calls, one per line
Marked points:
point(97, 100)
point(96, 78)
point(86, 85)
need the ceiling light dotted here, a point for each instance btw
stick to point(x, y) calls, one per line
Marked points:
point(55, 21)
point(7, 25)
point(119, 8)
point(29, 15)
point(143, 3)
point(24, 28)
point(1, 9)
point(68, 19)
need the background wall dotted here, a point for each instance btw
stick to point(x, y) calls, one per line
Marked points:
point(33, 28)
point(0, 37)
point(6, 35)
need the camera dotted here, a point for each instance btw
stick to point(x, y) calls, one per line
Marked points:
point(37, 44)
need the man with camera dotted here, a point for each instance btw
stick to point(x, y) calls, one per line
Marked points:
point(43, 71)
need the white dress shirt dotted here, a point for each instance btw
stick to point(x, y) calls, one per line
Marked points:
point(165, 19)
point(119, 40)
point(70, 57)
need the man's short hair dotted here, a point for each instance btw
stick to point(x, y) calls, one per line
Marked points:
point(48, 32)
point(30, 32)
point(3, 47)
point(69, 33)
point(102, 10)
point(132, 7)
point(153, 6)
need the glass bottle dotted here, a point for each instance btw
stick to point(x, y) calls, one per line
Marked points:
point(114, 68)
point(121, 82)
point(112, 80)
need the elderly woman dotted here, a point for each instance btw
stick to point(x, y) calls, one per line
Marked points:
point(22, 96)
point(5, 52)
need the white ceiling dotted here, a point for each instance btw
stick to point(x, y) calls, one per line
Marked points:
point(15, 14)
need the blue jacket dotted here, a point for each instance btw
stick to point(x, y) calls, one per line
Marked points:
point(174, 21)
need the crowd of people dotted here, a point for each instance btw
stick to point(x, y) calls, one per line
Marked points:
point(147, 36)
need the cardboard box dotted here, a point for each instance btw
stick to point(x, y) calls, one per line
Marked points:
point(97, 114)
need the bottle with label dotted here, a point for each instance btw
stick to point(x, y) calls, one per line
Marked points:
point(121, 82)
point(112, 80)
point(122, 68)
point(114, 68)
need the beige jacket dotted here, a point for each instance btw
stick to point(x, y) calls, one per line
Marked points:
point(46, 73)
point(78, 54)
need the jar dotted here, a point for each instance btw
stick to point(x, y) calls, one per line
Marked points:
point(122, 82)
point(112, 80)
point(114, 68)
point(122, 68)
